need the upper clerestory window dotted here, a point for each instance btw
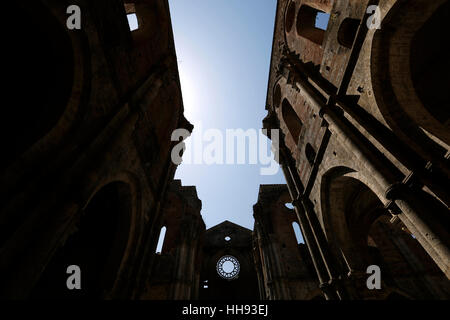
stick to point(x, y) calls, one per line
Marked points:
point(312, 23)
point(132, 18)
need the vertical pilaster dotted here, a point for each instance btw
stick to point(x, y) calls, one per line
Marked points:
point(308, 234)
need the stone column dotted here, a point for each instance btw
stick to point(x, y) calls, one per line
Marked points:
point(427, 231)
point(308, 235)
point(424, 225)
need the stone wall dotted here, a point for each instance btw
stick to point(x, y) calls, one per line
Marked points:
point(176, 270)
point(228, 239)
point(285, 270)
point(361, 143)
point(87, 128)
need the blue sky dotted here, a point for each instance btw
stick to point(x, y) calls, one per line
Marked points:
point(223, 50)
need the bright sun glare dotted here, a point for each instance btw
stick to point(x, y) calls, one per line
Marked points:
point(190, 94)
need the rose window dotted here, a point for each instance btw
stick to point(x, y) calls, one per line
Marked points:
point(228, 267)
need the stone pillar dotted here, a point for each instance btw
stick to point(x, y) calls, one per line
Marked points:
point(320, 238)
point(277, 284)
point(268, 280)
point(308, 235)
point(258, 264)
point(424, 225)
point(430, 234)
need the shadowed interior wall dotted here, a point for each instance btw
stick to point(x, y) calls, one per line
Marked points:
point(96, 246)
point(368, 174)
point(245, 286)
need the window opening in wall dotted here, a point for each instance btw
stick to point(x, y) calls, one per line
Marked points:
point(228, 267)
point(298, 233)
point(289, 205)
point(133, 21)
point(162, 235)
point(322, 19)
point(312, 23)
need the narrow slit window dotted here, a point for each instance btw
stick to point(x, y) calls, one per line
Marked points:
point(298, 233)
point(133, 21)
point(162, 235)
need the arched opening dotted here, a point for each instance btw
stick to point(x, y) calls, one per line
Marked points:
point(291, 119)
point(97, 247)
point(39, 80)
point(347, 32)
point(430, 66)
point(411, 86)
point(290, 17)
point(162, 235)
point(405, 263)
point(310, 153)
point(310, 25)
point(358, 226)
point(322, 20)
point(297, 232)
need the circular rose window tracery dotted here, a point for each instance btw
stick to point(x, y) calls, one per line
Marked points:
point(228, 267)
